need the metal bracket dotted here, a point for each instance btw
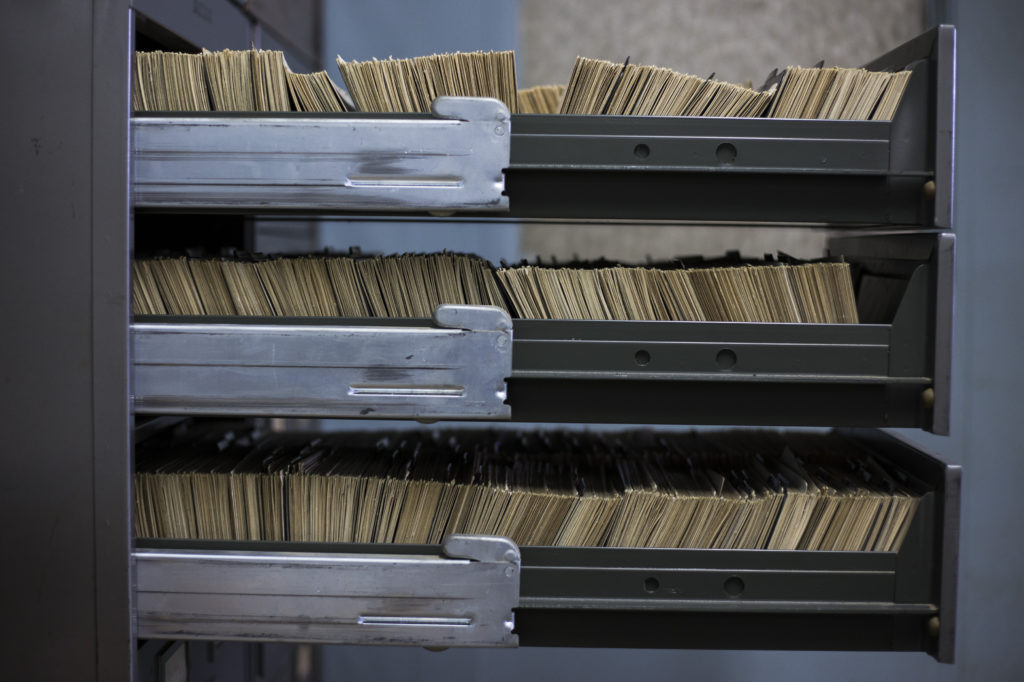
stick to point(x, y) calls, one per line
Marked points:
point(463, 596)
point(456, 369)
point(452, 160)
point(472, 318)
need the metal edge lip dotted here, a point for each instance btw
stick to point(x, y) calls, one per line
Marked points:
point(298, 558)
point(156, 120)
point(298, 331)
point(589, 125)
point(572, 167)
point(724, 606)
point(445, 108)
point(722, 376)
point(325, 411)
point(260, 204)
point(795, 327)
point(722, 342)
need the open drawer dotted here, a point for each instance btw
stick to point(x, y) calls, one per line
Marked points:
point(891, 370)
point(760, 170)
point(471, 156)
point(486, 591)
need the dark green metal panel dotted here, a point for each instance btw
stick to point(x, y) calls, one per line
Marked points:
point(855, 173)
point(668, 630)
point(705, 402)
point(711, 197)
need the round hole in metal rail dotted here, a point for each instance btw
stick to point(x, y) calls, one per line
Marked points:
point(642, 357)
point(726, 358)
point(651, 584)
point(734, 586)
point(641, 151)
point(726, 153)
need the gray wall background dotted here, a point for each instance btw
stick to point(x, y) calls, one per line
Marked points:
point(750, 37)
point(739, 40)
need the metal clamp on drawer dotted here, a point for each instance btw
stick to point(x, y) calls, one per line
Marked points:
point(455, 369)
point(462, 597)
point(450, 161)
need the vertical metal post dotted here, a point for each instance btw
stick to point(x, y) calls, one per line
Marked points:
point(112, 31)
point(63, 384)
